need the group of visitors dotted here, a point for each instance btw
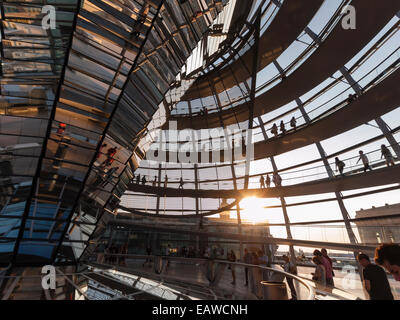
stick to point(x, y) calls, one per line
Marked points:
point(204, 111)
point(282, 128)
point(375, 280)
point(154, 183)
point(385, 153)
point(293, 121)
point(187, 252)
point(276, 179)
point(323, 275)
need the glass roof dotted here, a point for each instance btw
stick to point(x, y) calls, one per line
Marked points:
point(87, 103)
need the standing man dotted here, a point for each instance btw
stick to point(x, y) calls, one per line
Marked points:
point(282, 127)
point(247, 259)
point(268, 180)
point(154, 184)
point(375, 280)
point(262, 183)
point(290, 268)
point(364, 159)
point(293, 123)
point(274, 130)
point(165, 181)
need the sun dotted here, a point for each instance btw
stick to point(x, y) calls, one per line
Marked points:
point(253, 210)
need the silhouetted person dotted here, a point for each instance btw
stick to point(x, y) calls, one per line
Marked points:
point(262, 183)
point(388, 256)
point(165, 181)
point(154, 183)
point(181, 183)
point(277, 180)
point(387, 155)
point(232, 258)
point(144, 180)
point(364, 160)
point(339, 165)
point(268, 181)
point(247, 259)
point(138, 179)
point(282, 127)
point(274, 130)
point(375, 280)
point(293, 123)
point(350, 98)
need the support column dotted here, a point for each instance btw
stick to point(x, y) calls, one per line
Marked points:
point(239, 220)
point(278, 66)
point(354, 84)
point(196, 186)
point(388, 135)
point(158, 185)
point(286, 218)
point(329, 170)
point(282, 199)
point(252, 96)
point(312, 35)
point(240, 231)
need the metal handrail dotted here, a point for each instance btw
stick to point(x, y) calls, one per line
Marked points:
point(311, 290)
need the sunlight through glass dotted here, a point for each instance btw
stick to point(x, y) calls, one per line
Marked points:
point(253, 210)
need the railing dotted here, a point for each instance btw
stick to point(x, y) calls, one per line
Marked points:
point(352, 167)
point(210, 274)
